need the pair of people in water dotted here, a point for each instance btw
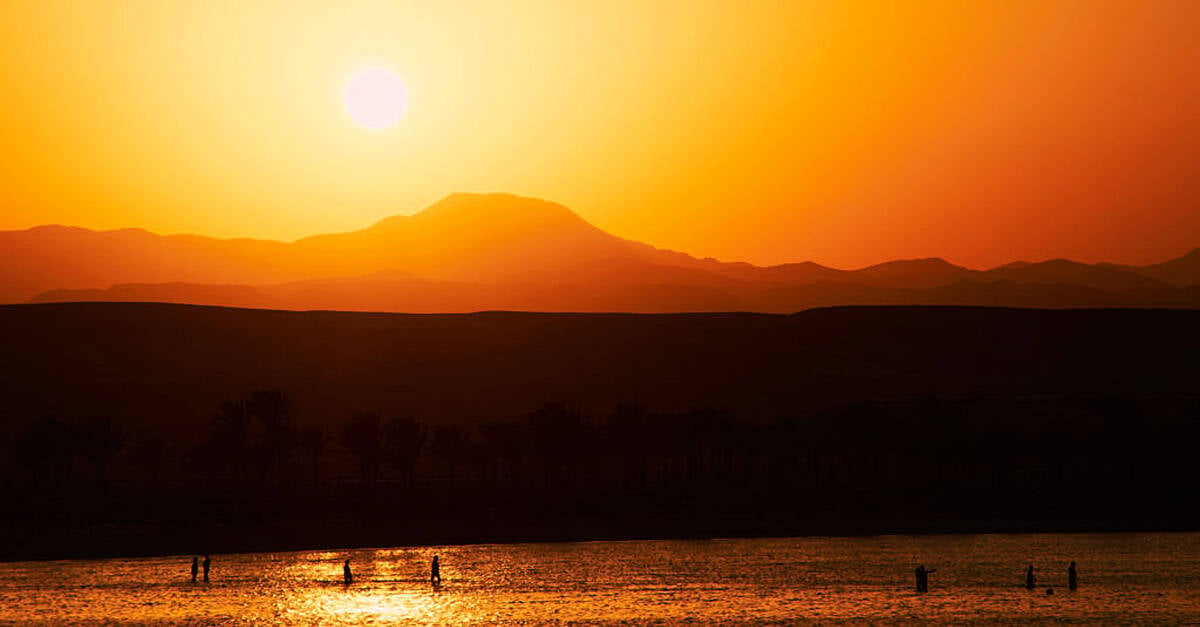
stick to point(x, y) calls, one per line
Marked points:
point(435, 572)
point(196, 567)
point(1072, 578)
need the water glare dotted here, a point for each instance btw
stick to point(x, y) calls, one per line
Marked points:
point(1140, 578)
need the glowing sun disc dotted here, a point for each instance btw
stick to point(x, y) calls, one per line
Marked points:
point(375, 98)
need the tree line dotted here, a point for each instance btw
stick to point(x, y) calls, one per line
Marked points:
point(929, 443)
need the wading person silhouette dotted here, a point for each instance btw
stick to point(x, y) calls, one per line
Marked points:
point(435, 572)
point(1030, 581)
point(207, 563)
point(1072, 577)
point(922, 575)
point(347, 576)
point(195, 567)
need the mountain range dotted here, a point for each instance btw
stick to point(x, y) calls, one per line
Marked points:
point(473, 252)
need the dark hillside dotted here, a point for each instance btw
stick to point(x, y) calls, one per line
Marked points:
point(169, 364)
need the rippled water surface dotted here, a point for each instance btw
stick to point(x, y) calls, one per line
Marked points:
point(1125, 578)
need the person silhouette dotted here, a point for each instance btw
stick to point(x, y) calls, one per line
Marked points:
point(1030, 581)
point(347, 577)
point(1072, 576)
point(195, 567)
point(922, 575)
point(207, 563)
point(435, 572)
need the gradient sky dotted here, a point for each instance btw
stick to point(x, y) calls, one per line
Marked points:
point(841, 132)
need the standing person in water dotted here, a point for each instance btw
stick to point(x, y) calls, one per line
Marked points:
point(435, 572)
point(1030, 582)
point(1072, 577)
point(207, 563)
point(923, 578)
point(195, 567)
point(347, 577)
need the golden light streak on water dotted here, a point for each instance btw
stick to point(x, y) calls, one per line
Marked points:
point(1126, 578)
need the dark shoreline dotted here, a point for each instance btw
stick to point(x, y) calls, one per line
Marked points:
point(132, 542)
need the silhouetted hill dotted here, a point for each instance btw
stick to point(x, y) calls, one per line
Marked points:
point(1183, 271)
point(625, 286)
point(54, 257)
point(910, 273)
point(473, 237)
point(1067, 272)
point(482, 238)
point(473, 252)
point(168, 364)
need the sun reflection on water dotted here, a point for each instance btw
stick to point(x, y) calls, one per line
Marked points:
point(1126, 577)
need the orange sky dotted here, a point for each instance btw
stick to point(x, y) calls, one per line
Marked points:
point(842, 132)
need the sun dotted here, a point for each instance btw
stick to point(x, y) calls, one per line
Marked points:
point(375, 98)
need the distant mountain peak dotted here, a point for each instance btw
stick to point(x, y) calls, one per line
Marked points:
point(58, 228)
point(389, 222)
point(495, 206)
point(463, 211)
point(927, 262)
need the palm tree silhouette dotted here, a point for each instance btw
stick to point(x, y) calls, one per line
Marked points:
point(557, 436)
point(404, 439)
point(148, 456)
point(450, 443)
point(482, 459)
point(362, 435)
point(229, 439)
point(46, 442)
point(99, 441)
point(507, 441)
point(625, 435)
point(272, 408)
point(313, 441)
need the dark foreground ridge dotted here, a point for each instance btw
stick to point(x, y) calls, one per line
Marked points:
point(132, 428)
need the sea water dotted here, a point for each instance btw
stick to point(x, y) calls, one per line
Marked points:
point(1124, 578)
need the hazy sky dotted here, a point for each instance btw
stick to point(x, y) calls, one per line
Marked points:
point(842, 132)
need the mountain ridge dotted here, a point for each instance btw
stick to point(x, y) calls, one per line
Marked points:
point(501, 251)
